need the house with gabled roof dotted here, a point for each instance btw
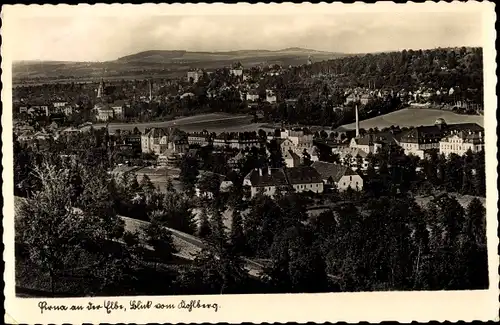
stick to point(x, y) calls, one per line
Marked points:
point(341, 176)
point(271, 180)
point(291, 159)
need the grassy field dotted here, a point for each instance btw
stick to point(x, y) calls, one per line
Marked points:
point(214, 122)
point(414, 117)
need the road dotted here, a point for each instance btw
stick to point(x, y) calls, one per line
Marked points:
point(189, 245)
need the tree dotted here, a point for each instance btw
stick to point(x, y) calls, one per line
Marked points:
point(161, 239)
point(296, 265)
point(146, 185)
point(49, 227)
point(204, 230)
point(237, 235)
point(188, 174)
point(264, 220)
point(175, 212)
point(475, 223)
point(210, 183)
point(276, 159)
point(306, 158)
point(55, 233)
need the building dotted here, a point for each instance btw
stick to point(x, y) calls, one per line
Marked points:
point(118, 108)
point(417, 140)
point(187, 95)
point(252, 95)
point(224, 187)
point(266, 181)
point(291, 102)
point(351, 98)
point(105, 112)
point(133, 140)
point(340, 176)
point(58, 107)
point(238, 140)
point(194, 75)
point(154, 141)
point(351, 157)
point(459, 142)
point(39, 110)
point(270, 180)
point(369, 143)
point(270, 96)
point(199, 138)
point(100, 89)
point(68, 109)
point(304, 179)
point(234, 162)
point(298, 138)
point(365, 99)
point(237, 70)
point(291, 159)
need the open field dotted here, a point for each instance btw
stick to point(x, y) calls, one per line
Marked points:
point(214, 122)
point(414, 117)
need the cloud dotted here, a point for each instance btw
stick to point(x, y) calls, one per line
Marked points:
point(98, 38)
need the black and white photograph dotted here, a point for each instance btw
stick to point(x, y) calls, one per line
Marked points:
point(159, 153)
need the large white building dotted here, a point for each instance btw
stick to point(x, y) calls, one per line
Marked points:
point(459, 142)
point(105, 111)
point(420, 139)
point(154, 140)
point(417, 140)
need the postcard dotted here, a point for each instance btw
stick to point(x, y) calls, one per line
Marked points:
point(192, 163)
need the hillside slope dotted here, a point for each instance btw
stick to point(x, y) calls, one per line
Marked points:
point(164, 63)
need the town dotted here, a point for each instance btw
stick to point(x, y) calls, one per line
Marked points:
point(246, 180)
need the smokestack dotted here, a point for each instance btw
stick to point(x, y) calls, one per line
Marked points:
point(150, 92)
point(357, 122)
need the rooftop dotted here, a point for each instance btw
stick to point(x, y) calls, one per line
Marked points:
point(333, 171)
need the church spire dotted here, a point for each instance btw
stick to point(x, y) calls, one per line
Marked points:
point(100, 89)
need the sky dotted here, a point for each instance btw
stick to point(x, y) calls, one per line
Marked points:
point(91, 35)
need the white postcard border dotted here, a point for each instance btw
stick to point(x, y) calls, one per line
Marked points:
point(349, 307)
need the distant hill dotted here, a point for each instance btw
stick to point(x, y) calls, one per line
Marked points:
point(161, 63)
point(166, 56)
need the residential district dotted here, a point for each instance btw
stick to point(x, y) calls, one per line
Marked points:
point(313, 189)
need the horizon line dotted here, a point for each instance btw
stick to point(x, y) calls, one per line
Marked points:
point(243, 50)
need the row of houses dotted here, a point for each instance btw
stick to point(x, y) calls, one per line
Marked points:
point(47, 109)
point(314, 178)
point(446, 138)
